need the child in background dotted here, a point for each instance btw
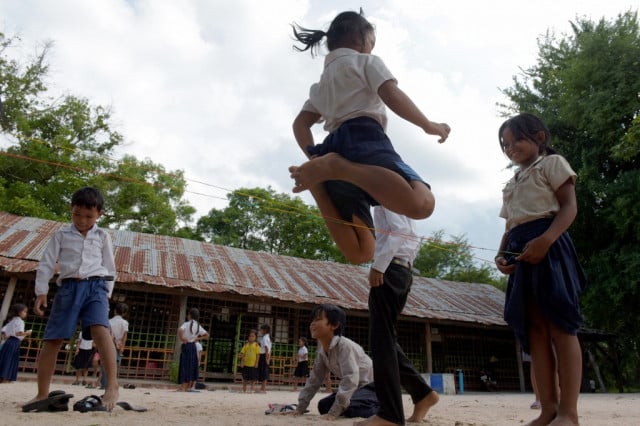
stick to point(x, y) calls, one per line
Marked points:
point(249, 355)
point(390, 279)
point(83, 355)
point(345, 359)
point(356, 166)
point(83, 254)
point(10, 351)
point(302, 363)
point(119, 328)
point(189, 333)
point(545, 278)
point(265, 356)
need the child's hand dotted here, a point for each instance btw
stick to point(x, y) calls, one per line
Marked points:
point(376, 278)
point(535, 250)
point(41, 302)
point(442, 130)
point(503, 266)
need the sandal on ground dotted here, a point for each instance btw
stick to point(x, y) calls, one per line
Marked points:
point(126, 406)
point(535, 405)
point(57, 400)
point(89, 403)
point(129, 386)
point(281, 408)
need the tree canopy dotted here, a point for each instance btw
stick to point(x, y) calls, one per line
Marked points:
point(60, 145)
point(585, 86)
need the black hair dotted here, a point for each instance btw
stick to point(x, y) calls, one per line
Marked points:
point(252, 331)
point(194, 314)
point(266, 327)
point(346, 29)
point(88, 197)
point(527, 126)
point(304, 340)
point(121, 309)
point(335, 316)
point(16, 308)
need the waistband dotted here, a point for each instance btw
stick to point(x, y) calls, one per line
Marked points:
point(92, 278)
point(401, 262)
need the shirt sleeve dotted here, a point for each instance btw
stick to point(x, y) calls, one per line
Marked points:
point(558, 171)
point(350, 377)
point(314, 381)
point(108, 261)
point(376, 72)
point(391, 231)
point(47, 264)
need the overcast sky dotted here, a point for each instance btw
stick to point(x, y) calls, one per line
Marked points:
point(211, 87)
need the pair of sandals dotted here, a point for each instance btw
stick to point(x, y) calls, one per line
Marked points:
point(281, 408)
point(58, 400)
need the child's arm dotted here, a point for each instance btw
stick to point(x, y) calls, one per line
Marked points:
point(46, 268)
point(108, 261)
point(302, 129)
point(400, 103)
point(536, 249)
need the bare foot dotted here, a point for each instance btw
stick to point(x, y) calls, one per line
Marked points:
point(374, 421)
point(562, 420)
point(110, 397)
point(421, 409)
point(545, 418)
point(315, 171)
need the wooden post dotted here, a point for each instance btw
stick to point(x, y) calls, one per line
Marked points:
point(181, 318)
point(428, 346)
point(520, 368)
point(6, 302)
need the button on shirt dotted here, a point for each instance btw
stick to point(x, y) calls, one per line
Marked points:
point(395, 237)
point(348, 88)
point(77, 256)
point(345, 359)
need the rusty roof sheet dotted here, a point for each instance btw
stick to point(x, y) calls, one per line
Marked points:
point(177, 262)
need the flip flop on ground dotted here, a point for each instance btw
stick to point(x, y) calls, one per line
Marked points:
point(126, 406)
point(89, 403)
point(56, 401)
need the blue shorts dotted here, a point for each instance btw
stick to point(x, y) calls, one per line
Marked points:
point(361, 140)
point(84, 300)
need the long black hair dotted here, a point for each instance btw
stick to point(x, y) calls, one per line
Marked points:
point(194, 315)
point(527, 126)
point(346, 29)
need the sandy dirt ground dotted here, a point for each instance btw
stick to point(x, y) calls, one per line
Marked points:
point(226, 406)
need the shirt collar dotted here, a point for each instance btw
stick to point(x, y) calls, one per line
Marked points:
point(338, 53)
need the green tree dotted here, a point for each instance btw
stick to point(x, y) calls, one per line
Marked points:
point(263, 220)
point(453, 261)
point(585, 87)
point(60, 145)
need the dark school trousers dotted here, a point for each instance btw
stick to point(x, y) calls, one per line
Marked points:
point(391, 367)
point(363, 403)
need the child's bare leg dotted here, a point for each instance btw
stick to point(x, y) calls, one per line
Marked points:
point(46, 367)
point(569, 358)
point(422, 407)
point(387, 187)
point(543, 357)
point(107, 350)
point(357, 242)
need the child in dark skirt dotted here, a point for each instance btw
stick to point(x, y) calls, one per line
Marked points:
point(189, 333)
point(10, 351)
point(545, 279)
point(265, 356)
point(302, 363)
point(82, 360)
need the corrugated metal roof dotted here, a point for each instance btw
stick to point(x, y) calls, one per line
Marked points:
point(176, 262)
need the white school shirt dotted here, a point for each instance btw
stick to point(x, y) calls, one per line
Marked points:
point(395, 237)
point(303, 354)
point(77, 256)
point(191, 335)
point(84, 343)
point(348, 88)
point(118, 326)
point(265, 342)
point(13, 327)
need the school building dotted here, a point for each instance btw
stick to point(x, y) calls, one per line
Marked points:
point(446, 327)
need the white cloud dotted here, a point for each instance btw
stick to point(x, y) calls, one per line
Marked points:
point(211, 87)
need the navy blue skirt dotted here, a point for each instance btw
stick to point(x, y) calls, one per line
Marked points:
point(9, 359)
point(555, 284)
point(189, 368)
point(361, 140)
